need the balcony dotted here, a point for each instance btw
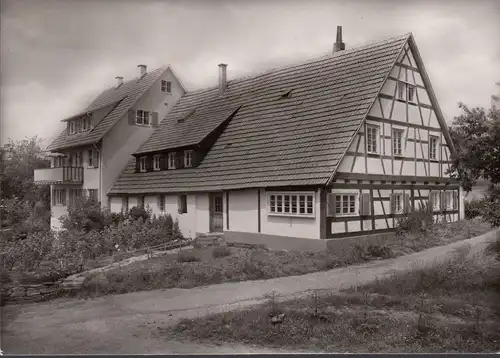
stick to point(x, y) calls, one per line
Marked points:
point(59, 175)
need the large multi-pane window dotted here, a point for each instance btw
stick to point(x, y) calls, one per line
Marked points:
point(433, 145)
point(291, 204)
point(345, 204)
point(156, 162)
point(142, 117)
point(397, 203)
point(142, 164)
point(372, 138)
point(397, 141)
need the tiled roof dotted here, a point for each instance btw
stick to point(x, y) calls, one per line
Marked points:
point(119, 99)
point(273, 140)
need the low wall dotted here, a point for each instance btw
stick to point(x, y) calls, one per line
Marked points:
point(20, 293)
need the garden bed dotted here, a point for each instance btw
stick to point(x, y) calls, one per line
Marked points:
point(206, 266)
point(452, 307)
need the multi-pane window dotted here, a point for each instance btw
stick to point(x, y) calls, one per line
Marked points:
point(397, 203)
point(371, 138)
point(92, 193)
point(166, 86)
point(401, 89)
point(397, 141)
point(142, 164)
point(161, 202)
point(171, 160)
point(142, 117)
point(90, 154)
point(433, 144)
point(72, 127)
point(448, 200)
point(182, 204)
point(85, 124)
point(156, 162)
point(188, 158)
point(435, 200)
point(76, 159)
point(291, 204)
point(345, 204)
point(59, 196)
point(411, 93)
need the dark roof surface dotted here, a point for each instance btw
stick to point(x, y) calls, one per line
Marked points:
point(119, 100)
point(273, 140)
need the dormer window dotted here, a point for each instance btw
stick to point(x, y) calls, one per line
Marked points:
point(142, 117)
point(156, 162)
point(72, 127)
point(85, 124)
point(142, 164)
point(171, 160)
point(188, 158)
point(166, 86)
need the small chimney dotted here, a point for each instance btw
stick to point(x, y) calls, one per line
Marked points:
point(222, 77)
point(119, 81)
point(143, 70)
point(339, 45)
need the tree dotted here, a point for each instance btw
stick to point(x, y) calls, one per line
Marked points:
point(20, 159)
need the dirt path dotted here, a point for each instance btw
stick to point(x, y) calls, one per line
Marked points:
point(128, 323)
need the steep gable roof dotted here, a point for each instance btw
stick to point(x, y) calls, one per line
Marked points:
point(119, 100)
point(276, 140)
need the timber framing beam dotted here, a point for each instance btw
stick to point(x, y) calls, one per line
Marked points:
point(391, 178)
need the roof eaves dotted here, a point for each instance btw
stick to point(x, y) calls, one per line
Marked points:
point(408, 36)
point(90, 111)
point(177, 78)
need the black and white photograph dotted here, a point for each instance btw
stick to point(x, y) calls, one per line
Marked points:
point(249, 177)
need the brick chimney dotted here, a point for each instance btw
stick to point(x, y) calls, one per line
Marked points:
point(222, 77)
point(119, 81)
point(143, 70)
point(339, 45)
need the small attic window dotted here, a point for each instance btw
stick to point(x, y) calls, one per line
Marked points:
point(287, 94)
point(183, 119)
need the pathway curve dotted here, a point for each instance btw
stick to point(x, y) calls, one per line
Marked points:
point(127, 323)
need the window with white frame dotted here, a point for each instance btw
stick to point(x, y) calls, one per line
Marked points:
point(90, 154)
point(166, 86)
point(72, 127)
point(372, 138)
point(142, 117)
point(411, 93)
point(142, 164)
point(433, 147)
point(59, 196)
point(156, 162)
point(171, 160)
point(346, 204)
point(401, 89)
point(435, 200)
point(188, 158)
point(397, 203)
point(448, 200)
point(291, 204)
point(397, 141)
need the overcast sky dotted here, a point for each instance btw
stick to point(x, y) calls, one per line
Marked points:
point(57, 55)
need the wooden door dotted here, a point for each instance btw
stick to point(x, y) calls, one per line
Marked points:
point(216, 221)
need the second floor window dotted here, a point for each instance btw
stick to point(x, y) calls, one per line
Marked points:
point(397, 141)
point(433, 146)
point(72, 127)
point(166, 86)
point(188, 158)
point(371, 139)
point(91, 157)
point(156, 162)
point(171, 160)
point(411, 93)
point(142, 164)
point(142, 117)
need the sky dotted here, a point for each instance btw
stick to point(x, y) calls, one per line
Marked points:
point(57, 55)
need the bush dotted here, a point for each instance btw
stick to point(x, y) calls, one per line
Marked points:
point(137, 213)
point(491, 205)
point(473, 208)
point(417, 221)
point(187, 256)
point(221, 251)
point(86, 215)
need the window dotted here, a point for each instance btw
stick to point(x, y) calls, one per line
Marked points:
point(142, 117)
point(434, 196)
point(124, 204)
point(156, 162)
point(140, 202)
point(85, 124)
point(371, 138)
point(345, 204)
point(401, 90)
point(161, 202)
point(397, 141)
point(291, 204)
point(72, 127)
point(433, 143)
point(397, 203)
point(74, 196)
point(411, 93)
point(142, 164)
point(92, 193)
point(76, 160)
point(59, 197)
point(166, 86)
point(90, 154)
point(448, 200)
point(182, 204)
point(188, 158)
point(171, 160)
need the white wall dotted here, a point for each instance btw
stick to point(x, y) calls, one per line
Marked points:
point(243, 214)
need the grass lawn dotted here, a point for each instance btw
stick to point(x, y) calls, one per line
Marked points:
point(452, 307)
point(205, 266)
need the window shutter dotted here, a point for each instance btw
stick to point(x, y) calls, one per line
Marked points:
point(455, 199)
point(53, 197)
point(441, 200)
point(131, 116)
point(63, 191)
point(391, 200)
point(179, 204)
point(154, 120)
point(67, 128)
point(430, 201)
point(158, 202)
point(330, 206)
point(179, 159)
point(365, 204)
point(407, 207)
point(163, 162)
point(95, 153)
point(137, 164)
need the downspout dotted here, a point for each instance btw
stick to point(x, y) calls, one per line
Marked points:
point(100, 170)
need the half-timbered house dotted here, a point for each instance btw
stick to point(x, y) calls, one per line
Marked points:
point(337, 146)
